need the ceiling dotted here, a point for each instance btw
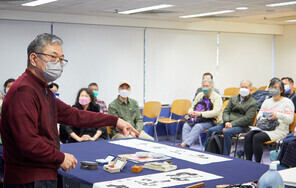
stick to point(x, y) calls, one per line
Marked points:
point(257, 12)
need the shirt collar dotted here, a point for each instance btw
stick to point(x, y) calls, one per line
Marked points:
point(121, 102)
point(34, 77)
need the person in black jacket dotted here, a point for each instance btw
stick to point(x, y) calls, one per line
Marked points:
point(85, 100)
point(289, 90)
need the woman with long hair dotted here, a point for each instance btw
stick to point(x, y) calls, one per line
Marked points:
point(85, 100)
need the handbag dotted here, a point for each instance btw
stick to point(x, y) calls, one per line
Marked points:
point(267, 125)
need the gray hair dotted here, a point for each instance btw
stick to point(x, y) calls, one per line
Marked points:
point(250, 83)
point(40, 41)
point(208, 80)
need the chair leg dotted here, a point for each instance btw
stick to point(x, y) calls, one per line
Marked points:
point(200, 143)
point(235, 150)
point(167, 130)
point(175, 138)
point(155, 133)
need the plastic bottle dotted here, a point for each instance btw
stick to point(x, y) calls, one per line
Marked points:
point(271, 178)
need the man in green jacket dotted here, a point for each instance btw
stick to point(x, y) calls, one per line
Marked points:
point(237, 116)
point(127, 109)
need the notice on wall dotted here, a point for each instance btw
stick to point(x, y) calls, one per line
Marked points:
point(165, 179)
point(176, 152)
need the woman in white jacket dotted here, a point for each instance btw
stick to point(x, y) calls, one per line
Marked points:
point(276, 107)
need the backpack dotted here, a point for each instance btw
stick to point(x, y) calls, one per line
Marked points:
point(215, 143)
point(260, 96)
point(202, 105)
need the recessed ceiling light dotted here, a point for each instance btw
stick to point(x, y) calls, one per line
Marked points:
point(290, 21)
point(207, 14)
point(38, 2)
point(145, 9)
point(281, 4)
point(242, 8)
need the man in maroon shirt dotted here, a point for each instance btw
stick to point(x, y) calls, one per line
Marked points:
point(30, 114)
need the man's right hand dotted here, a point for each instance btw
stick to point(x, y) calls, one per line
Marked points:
point(125, 128)
point(69, 162)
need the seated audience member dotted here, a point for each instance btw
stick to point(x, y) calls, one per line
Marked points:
point(238, 115)
point(85, 100)
point(95, 89)
point(206, 111)
point(127, 109)
point(206, 75)
point(7, 85)
point(288, 150)
point(289, 90)
point(54, 87)
point(277, 107)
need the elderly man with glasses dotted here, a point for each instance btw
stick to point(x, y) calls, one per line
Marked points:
point(30, 113)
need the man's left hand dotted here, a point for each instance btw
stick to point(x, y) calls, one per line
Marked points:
point(125, 128)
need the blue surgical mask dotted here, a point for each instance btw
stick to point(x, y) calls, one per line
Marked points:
point(287, 88)
point(206, 90)
point(95, 93)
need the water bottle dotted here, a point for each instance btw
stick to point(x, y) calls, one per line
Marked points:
point(271, 178)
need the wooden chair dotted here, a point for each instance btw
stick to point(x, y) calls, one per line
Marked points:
point(109, 133)
point(179, 107)
point(294, 89)
point(225, 104)
point(228, 92)
point(152, 110)
point(262, 88)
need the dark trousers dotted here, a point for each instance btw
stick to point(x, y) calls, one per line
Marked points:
point(36, 184)
point(254, 144)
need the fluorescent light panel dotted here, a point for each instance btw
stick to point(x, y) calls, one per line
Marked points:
point(38, 2)
point(207, 14)
point(242, 8)
point(145, 9)
point(281, 4)
point(290, 21)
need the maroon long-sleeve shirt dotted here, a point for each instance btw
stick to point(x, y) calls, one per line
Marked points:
point(30, 114)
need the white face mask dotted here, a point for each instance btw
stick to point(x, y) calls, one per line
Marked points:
point(244, 92)
point(6, 90)
point(124, 93)
point(287, 88)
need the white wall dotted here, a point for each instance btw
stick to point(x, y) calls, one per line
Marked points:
point(175, 59)
point(175, 62)
point(285, 56)
point(15, 37)
point(105, 55)
point(244, 57)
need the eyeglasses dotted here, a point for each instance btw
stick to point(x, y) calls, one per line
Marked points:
point(54, 58)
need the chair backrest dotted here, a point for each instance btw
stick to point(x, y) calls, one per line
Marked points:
point(180, 107)
point(294, 89)
point(152, 109)
point(108, 130)
point(231, 91)
point(262, 88)
point(225, 104)
point(292, 125)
